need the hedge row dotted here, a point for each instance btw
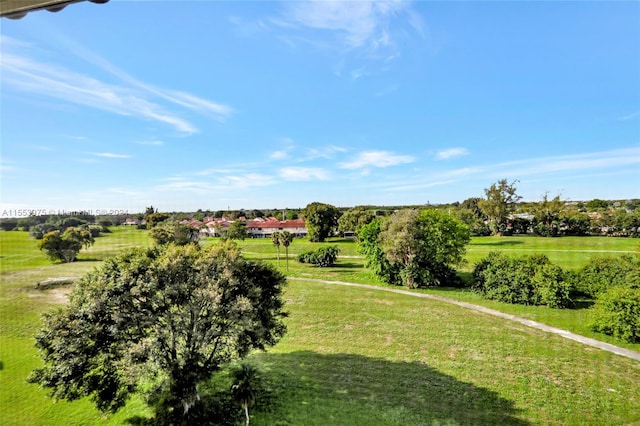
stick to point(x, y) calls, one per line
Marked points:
point(614, 283)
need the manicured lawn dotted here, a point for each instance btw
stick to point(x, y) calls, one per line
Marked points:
point(568, 252)
point(22, 267)
point(357, 356)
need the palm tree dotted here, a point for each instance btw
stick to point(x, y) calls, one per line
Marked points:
point(275, 239)
point(286, 238)
point(245, 386)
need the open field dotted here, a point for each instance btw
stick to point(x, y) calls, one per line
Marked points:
point(357, 356)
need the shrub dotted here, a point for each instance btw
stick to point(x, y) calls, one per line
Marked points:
point(527, 280)
point(603, 273)
point(8, 224)
point(551, 288)
point(617, 313)
point(322, 257)
point(38, 231)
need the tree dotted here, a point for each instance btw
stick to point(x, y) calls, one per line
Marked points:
point(245, 385)
point(353, 219)
point(419, 248)
point(38, 231)
point(472, 204)
point(159, 320)
point(174, 232)
point(286, 238)
point(369, 246)
point(275, 239)
point(597, 204)
point(321, 220)
point(66, 245)
point(547, 214)
point(153, 219)
point(237, 230)
point(500, 202)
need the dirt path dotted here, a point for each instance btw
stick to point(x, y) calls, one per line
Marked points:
point(529, 323)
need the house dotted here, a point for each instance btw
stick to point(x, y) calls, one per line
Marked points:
point(131, 221)
point(215, 227)
point(264, 228)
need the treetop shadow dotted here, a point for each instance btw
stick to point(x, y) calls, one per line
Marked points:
point(378, 385)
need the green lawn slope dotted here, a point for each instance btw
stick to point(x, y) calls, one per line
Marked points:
point(357, 356)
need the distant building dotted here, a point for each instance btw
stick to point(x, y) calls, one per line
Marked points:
point(264, 228)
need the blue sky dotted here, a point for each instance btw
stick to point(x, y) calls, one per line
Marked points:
point(215, 105)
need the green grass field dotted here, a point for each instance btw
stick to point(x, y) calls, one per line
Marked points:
point(356, 356)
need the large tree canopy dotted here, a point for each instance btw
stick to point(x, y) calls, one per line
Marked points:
point(355, 218)
point(500, 201)
point(65, 245)
point(174, 232)
point(415, 248)
point(162, 319)
point(321, 220)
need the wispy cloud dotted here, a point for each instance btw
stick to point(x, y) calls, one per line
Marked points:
point(279, 155)
point(569, 163)
point(364, 34)
point(219, 184)
point(370, 159)
point(326, 152)
point(574, 166)
point(131, 97)
point(151, 143)
point(5, 166)
point(355, 24)
point(250, 180)
point(288, 145)
point(41, 148)
point(303, 173)
point(630, 116)
point(110, 155)
point(418, 185)
point(445, 154)
point(125, 192)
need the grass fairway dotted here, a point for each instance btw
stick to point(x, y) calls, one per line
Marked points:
point(568, 252)
point(355, 356)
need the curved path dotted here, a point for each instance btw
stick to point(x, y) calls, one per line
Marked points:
point(534, 324)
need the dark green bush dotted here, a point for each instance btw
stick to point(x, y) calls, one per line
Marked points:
point(38, 231)
point(8, 224)
point(322, 257)
point(526, 280)
point(617, 313)
point(603, 273)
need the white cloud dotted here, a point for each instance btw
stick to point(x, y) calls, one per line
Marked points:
point(7, 167)
point(131, 98)
point(630, 116)
point(181, 185)
point(110, 155)
point(279, 155)
point(217, 184)
point(247, 181)
point(151, 143)
point(416, 186)
point(303, 173)
point(125, 192)
point(355, 23)
point(325, 152)
point(376, 159)
point(445, 154)
point(569, 163)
